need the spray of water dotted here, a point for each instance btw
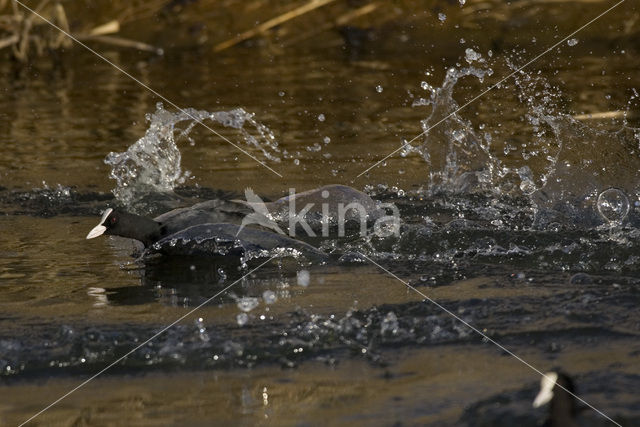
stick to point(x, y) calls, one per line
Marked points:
point(153, 163)
point(546, 156)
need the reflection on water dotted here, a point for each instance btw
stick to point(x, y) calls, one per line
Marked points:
point(418, 386)
point(515, 216)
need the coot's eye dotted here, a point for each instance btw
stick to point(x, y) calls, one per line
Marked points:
point(113, 220)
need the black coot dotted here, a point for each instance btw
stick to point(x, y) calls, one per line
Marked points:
point(118, 222)
point(330, 201)
point(197, 231)
point(563, 407)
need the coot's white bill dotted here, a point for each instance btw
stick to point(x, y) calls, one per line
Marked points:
point(546, 389)
point(99, 229)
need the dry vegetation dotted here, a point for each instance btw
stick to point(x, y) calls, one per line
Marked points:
point(26, 34)
point(219, 23)
point(222, 24)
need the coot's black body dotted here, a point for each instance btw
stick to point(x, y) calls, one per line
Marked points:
point(209, 212)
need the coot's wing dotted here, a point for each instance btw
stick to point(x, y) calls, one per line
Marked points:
point(209, 212)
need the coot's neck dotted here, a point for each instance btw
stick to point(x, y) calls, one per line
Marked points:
point(563, 410)
point(138, 227)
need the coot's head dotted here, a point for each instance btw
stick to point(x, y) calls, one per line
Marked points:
point(549, 389)
point(109, 224)
point(124, 224)
point(557, 389)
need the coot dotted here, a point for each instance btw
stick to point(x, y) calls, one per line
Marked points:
point(118, 222)
point(314, 207)
point(563, 408)
point(186, 231)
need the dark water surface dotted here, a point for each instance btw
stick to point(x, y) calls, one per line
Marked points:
point(506, 222)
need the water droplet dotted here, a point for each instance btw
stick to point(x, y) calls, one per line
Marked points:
point(613, 205)
point(572, 42)
point(471, 55)
point(269, 297)
point(303, 278)
point(426, 86)
point(321, 117)
point(242, 319)
point(462, 2)
point(379, 89)
point(247, 304)
point(442, 17)
point(314, 148)
point(389, 324)
point(527, 186)
point(326, 140)
point(458, 135)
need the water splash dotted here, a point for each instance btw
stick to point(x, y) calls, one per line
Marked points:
point(247, 304)
point(153, 163)
point(554, 160)
point(613, 205)
point(457, 157)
